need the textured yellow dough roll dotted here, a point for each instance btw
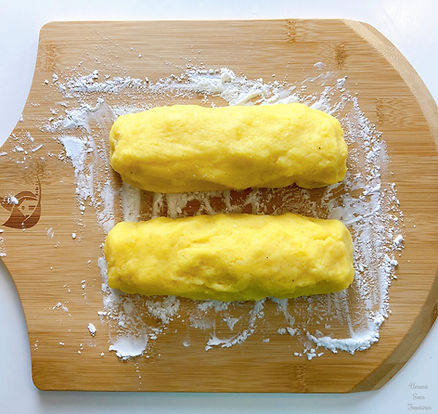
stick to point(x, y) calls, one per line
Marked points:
point(230, 257)
point(185, 148)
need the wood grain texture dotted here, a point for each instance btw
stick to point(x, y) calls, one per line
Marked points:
point(391, 95)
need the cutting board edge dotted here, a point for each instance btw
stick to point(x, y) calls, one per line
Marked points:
point(405, 350)
point(430, 111)
point(404, 68)
point(29, 94)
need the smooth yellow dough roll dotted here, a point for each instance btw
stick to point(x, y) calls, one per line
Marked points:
point(185, 148)
point(230, 257)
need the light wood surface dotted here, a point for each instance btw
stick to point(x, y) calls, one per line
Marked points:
point(392, 96)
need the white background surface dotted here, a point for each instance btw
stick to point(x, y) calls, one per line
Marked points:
point(410, 25)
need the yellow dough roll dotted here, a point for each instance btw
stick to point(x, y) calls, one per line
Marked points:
point(230, 257)
point(185, 148)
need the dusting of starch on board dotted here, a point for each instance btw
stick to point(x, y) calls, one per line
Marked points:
point(347, 321)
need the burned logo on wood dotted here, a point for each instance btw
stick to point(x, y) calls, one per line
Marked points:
point(24, 207)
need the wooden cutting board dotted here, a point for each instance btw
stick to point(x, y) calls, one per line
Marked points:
point(46, 271)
